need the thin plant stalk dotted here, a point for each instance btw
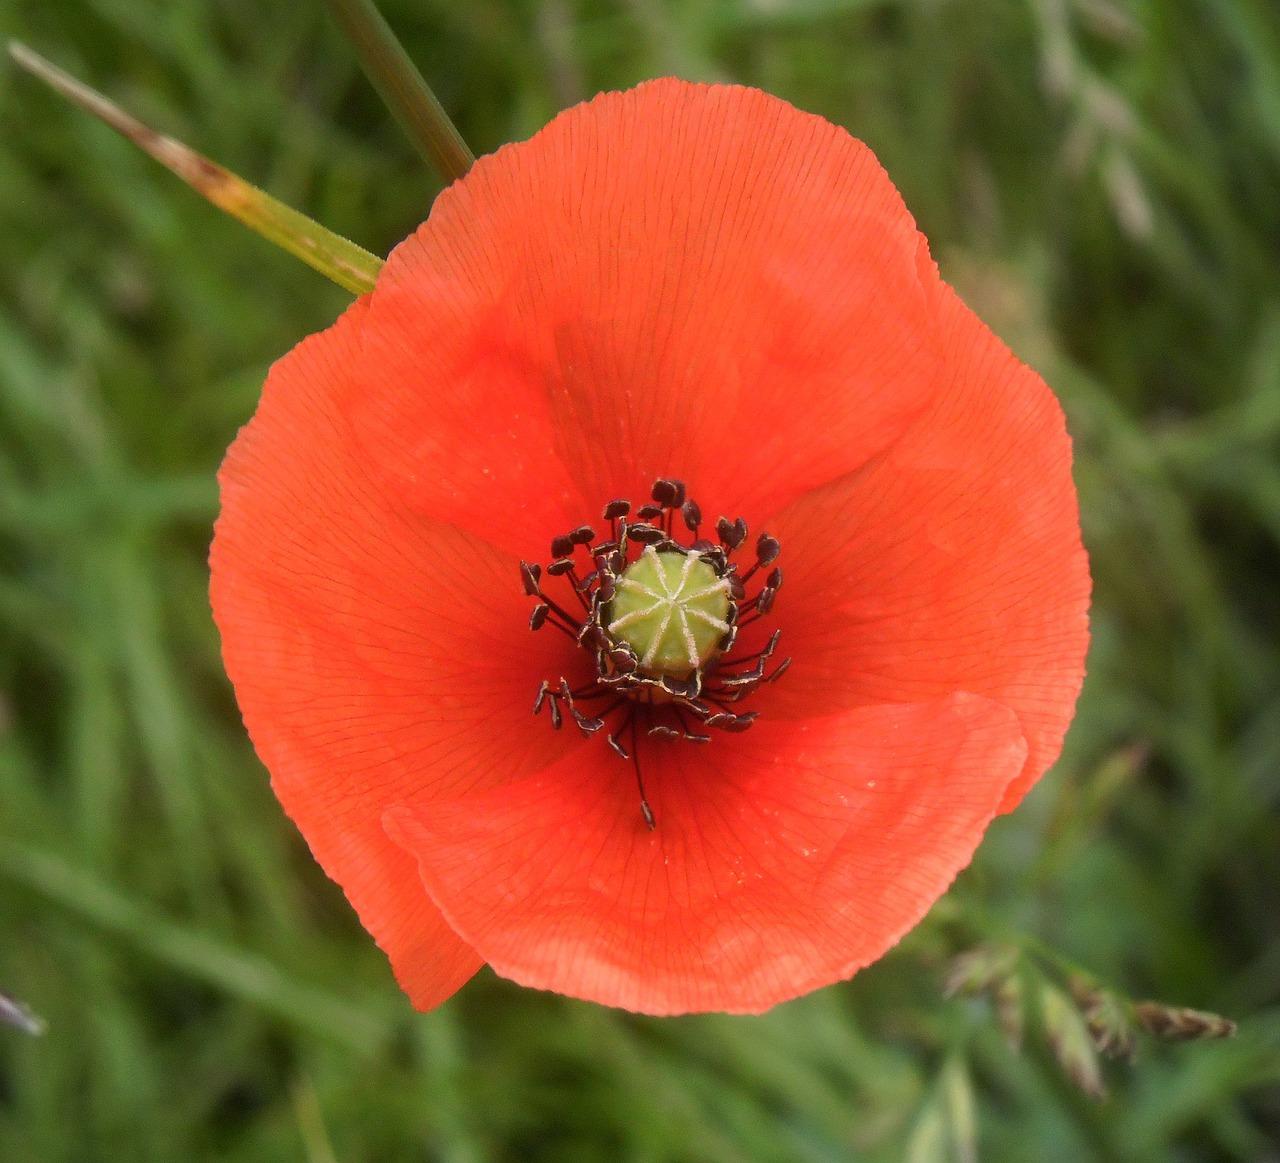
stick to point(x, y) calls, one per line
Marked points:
point(335, 257)
point(403, 88)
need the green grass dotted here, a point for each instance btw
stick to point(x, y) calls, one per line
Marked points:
point(1099, 177)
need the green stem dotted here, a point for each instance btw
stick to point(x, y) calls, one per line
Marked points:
point(402, 87)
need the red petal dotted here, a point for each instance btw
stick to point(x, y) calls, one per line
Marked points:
point(441, 408)
point(784, 859)
point(375, 656)
point(953, 562)
point(687, 280)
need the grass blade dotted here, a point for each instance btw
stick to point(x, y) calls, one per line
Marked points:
point(240, 974)
point(14, 1013)
point(403, 88)
point(335, 257)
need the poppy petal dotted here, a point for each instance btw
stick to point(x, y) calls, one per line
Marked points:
point(783, 859)
point(441, 411)
point(952, 562)
point(374, 655)
point(679, 280)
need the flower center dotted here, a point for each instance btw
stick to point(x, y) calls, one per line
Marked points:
point(670, 609)
point(659, 621)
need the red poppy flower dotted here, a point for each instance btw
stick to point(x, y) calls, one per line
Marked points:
point(702, 287)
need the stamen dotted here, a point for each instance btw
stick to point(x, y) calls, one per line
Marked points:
point(767, 549)
point(645, 534)
point(645, 809)
point(659, 620)
point(529, 575)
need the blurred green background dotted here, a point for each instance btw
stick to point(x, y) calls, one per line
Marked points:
point(1102, 180)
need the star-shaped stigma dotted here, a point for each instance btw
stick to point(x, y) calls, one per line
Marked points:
point(671, 609)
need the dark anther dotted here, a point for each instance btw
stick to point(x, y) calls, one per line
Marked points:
point(767, 549)
point(538, 617)
point(774, 580)
point(561, 546)
point(608, 587)
point(624, 662)
point(681, 688)
point(585, 535)
point(728, 721)
point(692, 515)
point(742, 684)
point(778, 671)
point(764, 603)
point(585, 725)
point(560, 566)
point(669, 494)
point(615, 509)
point(529, 575)
point(649, 512)
point(731, 533)
point(645, 534)
point(662, 732)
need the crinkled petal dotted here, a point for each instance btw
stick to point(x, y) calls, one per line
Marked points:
point(783, 859)
point(952, 562)
point(679, 280)
point(375, 655)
